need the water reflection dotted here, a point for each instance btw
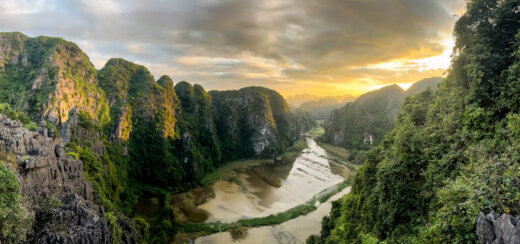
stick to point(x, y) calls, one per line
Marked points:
point(267, 190)
point(292, 231)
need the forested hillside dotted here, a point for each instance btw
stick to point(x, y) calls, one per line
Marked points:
point(121, 131)
point(453, 153)
point(362, 124)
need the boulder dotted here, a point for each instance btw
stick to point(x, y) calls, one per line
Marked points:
point(498, 230)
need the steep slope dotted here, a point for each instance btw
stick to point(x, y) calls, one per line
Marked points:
point(453, 154)
point(363, 124)
point(255, 121)
point(56, 196)
point(199, 133)
point(49, 78)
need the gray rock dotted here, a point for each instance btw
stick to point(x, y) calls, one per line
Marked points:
point(43, 168)
point(77, 221)
point(485, 230)
point(498, 230)
point(45, 171)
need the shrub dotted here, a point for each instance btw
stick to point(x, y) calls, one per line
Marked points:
point(15, 220)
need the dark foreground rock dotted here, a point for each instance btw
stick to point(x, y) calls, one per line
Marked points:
point(40, 162)
point(52, 185)
point(496, 229)
point(77, 221)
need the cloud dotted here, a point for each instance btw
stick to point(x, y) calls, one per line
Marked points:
point(290, 45)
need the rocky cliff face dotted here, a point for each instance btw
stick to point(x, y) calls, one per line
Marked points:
point(134, 96)
point(44, 169)
point(371, 115)
point(256, 121)
point(47, 173)
point(199, 134)
point(494, 229)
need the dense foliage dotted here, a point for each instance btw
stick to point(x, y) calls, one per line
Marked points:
point(362, 124)
point(15, 220)
point(453, 153)
point(255, 112)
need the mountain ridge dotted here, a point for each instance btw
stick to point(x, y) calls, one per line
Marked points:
point(132, 134)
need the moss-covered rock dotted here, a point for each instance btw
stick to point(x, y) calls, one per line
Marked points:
point(256, 121)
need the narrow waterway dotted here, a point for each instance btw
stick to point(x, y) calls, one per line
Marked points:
point(293, 231)
point(266, 190)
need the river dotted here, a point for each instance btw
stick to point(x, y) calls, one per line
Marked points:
point(269, 189)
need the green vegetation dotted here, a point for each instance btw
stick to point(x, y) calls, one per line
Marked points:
point(336, 151)
point(6, 110)
point(453, 153)
point(136, 135)
point(361, 125)
point(101, 174)
point(317, 131)
point(236, 111)
point(15, 221)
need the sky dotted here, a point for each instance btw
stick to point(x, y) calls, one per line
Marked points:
point(319, 47)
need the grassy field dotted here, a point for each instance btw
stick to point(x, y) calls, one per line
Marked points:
point(230, 171)
point(317, 131)
point(339, 152)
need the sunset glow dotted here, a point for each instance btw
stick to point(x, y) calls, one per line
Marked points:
point(291, 46)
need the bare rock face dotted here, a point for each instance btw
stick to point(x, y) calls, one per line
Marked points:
point(77, 221)
point(45, 171)
point(42, 166)
point(497, 230)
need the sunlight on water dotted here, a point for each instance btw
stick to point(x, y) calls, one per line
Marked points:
point(307, 176)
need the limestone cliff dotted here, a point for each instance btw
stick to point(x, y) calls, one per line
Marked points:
point(49, 78)
point(134, 96)
point(125, 132)
point(256, 121)
point(47, 173)
point(201, 144)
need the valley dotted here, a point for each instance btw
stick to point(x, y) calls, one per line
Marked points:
point(315, 122)
point(266, 195)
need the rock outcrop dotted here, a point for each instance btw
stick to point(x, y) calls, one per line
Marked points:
point(256, 121)
point(46, 172)
point(52, 79)
point(77, 221)
point(40, 162)
point(495, 229)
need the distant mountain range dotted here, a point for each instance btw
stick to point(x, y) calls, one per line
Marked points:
point(299, 99)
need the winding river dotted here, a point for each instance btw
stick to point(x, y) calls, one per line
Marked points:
point(269, 189)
